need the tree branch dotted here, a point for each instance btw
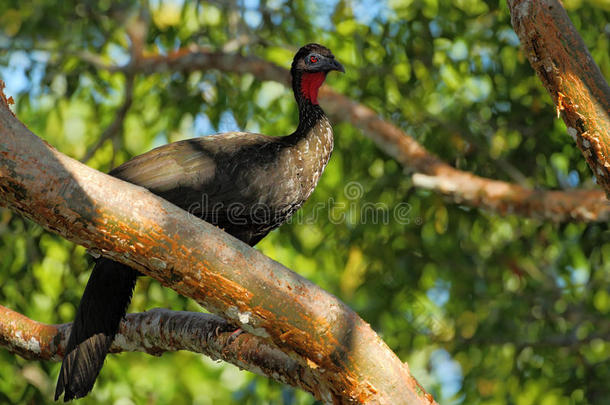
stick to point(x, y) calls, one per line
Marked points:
point(116, 126)
point(160, 330)
point(136, 31)
point(461, 187)
point(564, 65)
point(133, 226)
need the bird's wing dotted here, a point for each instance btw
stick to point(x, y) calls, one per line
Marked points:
point(197, 172)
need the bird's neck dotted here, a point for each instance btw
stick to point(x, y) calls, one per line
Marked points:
point(312, 142)
point(305, 87)
point(310, 152)
point(314, 134)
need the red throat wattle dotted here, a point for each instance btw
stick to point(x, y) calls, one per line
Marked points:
point(310, 83)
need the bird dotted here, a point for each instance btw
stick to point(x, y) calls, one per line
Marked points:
point(244, 183)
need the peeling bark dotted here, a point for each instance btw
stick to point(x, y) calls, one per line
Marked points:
point(564, 65)
point(129, 224)
point(461, 187)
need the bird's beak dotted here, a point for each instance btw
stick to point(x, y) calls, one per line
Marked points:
point(334, 65)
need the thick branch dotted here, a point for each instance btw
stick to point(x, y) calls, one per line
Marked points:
point(563, 63)
point(462, 187)
point(160, 330)
point(131, 225)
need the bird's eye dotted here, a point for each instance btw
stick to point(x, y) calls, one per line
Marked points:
point(313, 59)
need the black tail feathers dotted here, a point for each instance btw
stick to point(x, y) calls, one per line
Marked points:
point(99, 314)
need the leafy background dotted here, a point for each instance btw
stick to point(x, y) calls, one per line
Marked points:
point(485, 309)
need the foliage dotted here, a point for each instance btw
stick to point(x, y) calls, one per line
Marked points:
point(485, 309)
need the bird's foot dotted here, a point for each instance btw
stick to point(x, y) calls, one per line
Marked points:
point(234, 336)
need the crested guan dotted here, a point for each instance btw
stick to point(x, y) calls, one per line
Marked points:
point(247, 184)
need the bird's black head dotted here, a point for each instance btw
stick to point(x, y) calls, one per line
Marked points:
point(313, 58)
point(309, 68)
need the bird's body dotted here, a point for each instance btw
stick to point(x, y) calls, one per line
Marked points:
point(246, 184)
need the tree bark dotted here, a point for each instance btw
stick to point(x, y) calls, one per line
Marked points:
point(564, 65)
point(160, 330)
point(133, 226)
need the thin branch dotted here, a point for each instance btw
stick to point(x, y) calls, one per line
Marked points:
point(133, 226)
point(136, 32)
point(116, 127)
point(564, 65)
point(509, 169)
point(160, 330)
point(462, 187)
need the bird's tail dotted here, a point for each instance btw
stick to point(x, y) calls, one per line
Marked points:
point(99, 314)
